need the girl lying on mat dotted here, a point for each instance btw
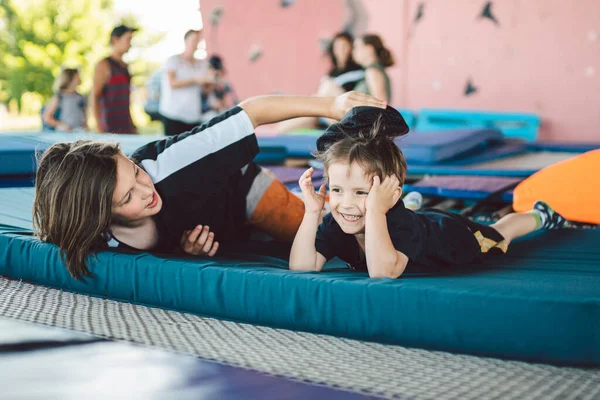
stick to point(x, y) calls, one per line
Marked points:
point(368, 227)
point(89, 194)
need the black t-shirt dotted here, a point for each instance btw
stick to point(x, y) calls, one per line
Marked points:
point(429, 238)
point(348, 77)
point(201, 179)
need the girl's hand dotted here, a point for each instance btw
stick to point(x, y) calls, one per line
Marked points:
point(313, 201)
point(383, 195)
point(199, 242)
point(347, 101)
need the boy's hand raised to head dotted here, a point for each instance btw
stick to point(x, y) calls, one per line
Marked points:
point(313, 201)
point(383, 195)
point(347, 101)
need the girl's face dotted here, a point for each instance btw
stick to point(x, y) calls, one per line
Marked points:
point(76, 81)
point(361, 52)
point(348, 191)
point(342, 49)
point(135, 197)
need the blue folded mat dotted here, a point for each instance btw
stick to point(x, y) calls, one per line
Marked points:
point(463, 187)
point(443, 146)
point(538, 303)
point(17, 153)
point(297, 146)
point(561, 146)
point(512, 125)
point(523, 163)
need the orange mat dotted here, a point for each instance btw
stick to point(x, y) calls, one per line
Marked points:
point(571, 187)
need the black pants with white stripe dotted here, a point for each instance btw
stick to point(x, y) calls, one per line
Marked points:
point(174, 127)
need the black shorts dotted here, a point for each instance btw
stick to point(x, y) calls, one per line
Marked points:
point(489, 238)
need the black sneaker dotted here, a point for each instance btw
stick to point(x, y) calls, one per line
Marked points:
point(553, 219)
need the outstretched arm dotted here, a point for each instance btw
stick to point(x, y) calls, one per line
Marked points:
point(270, 109)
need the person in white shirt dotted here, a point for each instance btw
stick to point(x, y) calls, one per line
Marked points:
point(180, 99)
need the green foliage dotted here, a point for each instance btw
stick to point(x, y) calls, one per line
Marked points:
point(38, 37)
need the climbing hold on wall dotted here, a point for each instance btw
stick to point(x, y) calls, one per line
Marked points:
point(255, 52)
point(470, 88)
point(215, 15)
point(418, 17)
point(487, 13)
point(419, 14)
point(287, 3)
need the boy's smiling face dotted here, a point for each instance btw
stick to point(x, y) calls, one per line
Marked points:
point(348, 191)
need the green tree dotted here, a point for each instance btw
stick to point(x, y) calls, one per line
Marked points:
point(38, 37)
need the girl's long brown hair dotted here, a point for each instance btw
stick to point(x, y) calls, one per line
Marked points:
point(72, 207)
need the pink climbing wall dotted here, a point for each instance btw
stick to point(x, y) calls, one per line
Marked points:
point(541, 56)
point(291, 60)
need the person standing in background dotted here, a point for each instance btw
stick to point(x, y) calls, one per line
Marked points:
point(111, 91)
point(66, 110)
point(181, 88)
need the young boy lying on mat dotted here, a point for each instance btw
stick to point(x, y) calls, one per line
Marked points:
point(89, 194)
point(368, 227)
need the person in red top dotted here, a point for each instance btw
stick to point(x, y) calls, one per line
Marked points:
point(112, 86)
